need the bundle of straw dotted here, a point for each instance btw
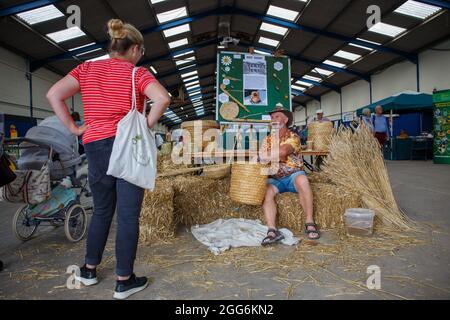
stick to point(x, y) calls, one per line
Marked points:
point(355, 162)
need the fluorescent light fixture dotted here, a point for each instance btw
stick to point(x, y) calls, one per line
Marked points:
point(220, 47)
point(88, 52)
point(273, 28)
point(334, 63)
point(171, 15)
point(323, 71)
point(268, 41)
point(66, 34)
point(282, 13)
point(387, 29)
point(190, 79)
point(177, 30)
point(40, 14)
point(195, 86)
point(198, 104)
point(190, 84)
point(185, 75)
point(153, 70)
point(347, 55)
point(312, 78)
point(183, 54)
point(194, 93)
point(200, 113)
point(106, 56)
point(303, 83)
point(184, 61)
point(298, 88)
point(83, 46)
point(417, 9)
point(156, 1)
point(262, 52)
point(178, 43)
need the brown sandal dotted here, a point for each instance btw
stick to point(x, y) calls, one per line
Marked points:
point(270, 239)
point(308, 232)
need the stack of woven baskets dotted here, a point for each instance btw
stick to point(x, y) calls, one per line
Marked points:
point(320, 133)
point(196, 131)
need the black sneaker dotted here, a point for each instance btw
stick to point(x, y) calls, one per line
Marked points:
point(126, 288)
point(88, 277)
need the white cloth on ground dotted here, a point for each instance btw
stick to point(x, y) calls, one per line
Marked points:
point(221, 234)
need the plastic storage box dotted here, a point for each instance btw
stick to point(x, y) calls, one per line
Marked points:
point(359, 222)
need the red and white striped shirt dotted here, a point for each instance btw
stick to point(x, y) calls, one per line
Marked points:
point(106, 94)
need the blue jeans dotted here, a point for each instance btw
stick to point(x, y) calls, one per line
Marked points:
point(286, 184)
point(108, 193)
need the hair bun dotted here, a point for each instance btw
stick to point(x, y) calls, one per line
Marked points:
point(116, 29)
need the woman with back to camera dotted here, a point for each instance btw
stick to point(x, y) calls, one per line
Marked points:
point(106, 90)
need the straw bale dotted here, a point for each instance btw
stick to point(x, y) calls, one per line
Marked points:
point(157, 215)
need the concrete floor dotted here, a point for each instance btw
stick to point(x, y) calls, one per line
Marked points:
point(184, 269)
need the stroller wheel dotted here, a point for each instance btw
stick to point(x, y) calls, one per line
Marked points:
point(23, 226)
point(75, 224)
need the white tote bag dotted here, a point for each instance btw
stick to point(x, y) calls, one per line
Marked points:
point(134, 153)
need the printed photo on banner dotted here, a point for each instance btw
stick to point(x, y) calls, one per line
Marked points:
point(255, 80)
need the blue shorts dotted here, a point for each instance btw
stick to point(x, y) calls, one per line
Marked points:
point(286, 184)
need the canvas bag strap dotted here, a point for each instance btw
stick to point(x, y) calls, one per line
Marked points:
point(133, 94)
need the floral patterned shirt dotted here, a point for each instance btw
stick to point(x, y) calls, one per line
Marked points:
point(294, 161)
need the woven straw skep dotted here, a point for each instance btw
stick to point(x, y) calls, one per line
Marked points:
point(248, 183)
point(320, 133)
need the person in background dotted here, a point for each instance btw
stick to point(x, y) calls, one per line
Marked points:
point(354, 125)
point(381, 126)
point(367, 119)
point(106, 89)
point(403, 134)
point(320, 117)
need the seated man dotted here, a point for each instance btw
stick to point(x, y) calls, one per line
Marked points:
point(290, 177)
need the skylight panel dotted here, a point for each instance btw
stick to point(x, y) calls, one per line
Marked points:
point(40, 14)
point(88, 52)
point(171, 15)
point(184, 61)
point(194, 93)
point(156, 1)
point(185, 75)
point(303, 83)
point(268, 41)
point(178, 43)
point(312, 78)
point(273, 28)
point(298, 88)
point(190, 79)
point(282, 13)
point(193, 87)
point(347, 55)
point(183, 54)
point(323, 71)
point(177, 30)
point(387, 29)
point(190, 84)
point(66, 34)
point(83, 46)
point(334, 63)
point(262, 52)
point(417, 9)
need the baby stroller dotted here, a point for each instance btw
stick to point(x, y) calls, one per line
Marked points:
point(50, 140)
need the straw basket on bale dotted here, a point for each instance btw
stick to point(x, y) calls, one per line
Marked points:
point(196, 130)
point(248, 183)
point(320, 133)
point(217, 172)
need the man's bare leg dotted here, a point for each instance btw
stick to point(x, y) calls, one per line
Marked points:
point(306, 200)
point(270, 207)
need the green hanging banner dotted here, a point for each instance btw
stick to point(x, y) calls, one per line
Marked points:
point(441, 147)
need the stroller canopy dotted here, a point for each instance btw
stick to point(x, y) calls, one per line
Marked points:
point(51, 132)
